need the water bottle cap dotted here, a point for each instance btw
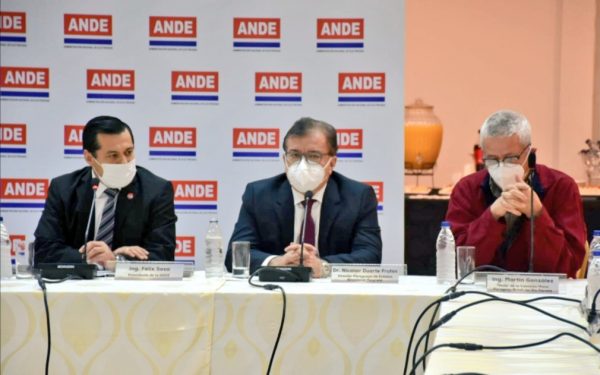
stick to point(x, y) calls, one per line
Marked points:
point(596, 232)
point(445, 223)
point(596, 253)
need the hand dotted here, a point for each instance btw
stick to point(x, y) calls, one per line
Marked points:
point(132, 252)
point(291, 256)
point(519, 195)
point(501, 206)
point(98, 252)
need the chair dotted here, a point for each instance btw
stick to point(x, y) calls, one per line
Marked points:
point(581, 273)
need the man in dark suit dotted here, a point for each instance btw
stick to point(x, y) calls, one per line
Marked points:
point(342, 225)
point(133, 214)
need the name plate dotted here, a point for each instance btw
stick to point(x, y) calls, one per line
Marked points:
point(522, 283)
point(366, 273)
point(149, 271)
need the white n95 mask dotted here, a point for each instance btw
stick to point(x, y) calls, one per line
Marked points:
point(117, 176)
point(304, 176)
point(506, 174)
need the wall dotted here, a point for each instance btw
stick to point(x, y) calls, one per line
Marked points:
point(470, 58)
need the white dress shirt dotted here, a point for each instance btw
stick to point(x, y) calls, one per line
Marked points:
point(101, 200)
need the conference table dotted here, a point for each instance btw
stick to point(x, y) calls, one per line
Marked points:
point(197, 326)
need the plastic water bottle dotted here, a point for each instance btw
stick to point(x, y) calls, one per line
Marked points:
point(213, 256)
point(445, 255)
point(593, 272)
point(6, 271)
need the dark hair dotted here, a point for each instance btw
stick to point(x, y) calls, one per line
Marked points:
point(102, 125)
point(306, 125)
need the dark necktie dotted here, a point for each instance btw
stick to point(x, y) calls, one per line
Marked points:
point(107, 222)
point(309, 233)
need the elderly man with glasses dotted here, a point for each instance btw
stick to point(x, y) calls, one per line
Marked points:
point(492, 209)
point(341, 223)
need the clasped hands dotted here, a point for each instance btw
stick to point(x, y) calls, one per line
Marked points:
point(292, 258)
point(98, 252)
point(516, 199)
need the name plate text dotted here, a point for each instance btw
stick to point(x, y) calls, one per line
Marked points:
point(149, 271)
point(366, 273)
point(522, 283)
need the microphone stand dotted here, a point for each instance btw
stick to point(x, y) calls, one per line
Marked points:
point(531, 161)
point(299, 273)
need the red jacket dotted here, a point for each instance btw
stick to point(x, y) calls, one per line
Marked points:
point(560, 231)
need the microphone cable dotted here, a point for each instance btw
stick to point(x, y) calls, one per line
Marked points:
point(284, 308)
point(42, 283)
point(523, 303)
point(452, 289)
point(474, 347)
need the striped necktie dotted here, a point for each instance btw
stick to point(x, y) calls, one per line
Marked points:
point(107, 223)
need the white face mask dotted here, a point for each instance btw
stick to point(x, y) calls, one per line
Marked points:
point(304, 176)
point(506, 174)
point(117, 176)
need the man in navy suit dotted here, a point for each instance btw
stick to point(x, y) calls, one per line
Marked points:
point(134, 214)
point(342, 225)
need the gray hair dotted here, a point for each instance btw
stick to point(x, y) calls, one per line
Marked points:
point(505, 123)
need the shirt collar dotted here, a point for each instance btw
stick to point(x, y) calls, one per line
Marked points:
point(101, 187)
point(318, 196)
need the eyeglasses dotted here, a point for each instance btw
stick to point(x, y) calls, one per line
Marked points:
point(492, 163)
point(312, 157)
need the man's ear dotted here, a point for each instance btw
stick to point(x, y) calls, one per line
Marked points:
point(88, 157)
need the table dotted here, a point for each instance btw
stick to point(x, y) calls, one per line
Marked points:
point(499, 323)
point(192, 327)
point(424, 213)
point(105, 326)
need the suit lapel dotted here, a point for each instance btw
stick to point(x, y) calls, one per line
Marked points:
point(329, 211)
point(284, 207)
point(84, 194)
point(128, 203)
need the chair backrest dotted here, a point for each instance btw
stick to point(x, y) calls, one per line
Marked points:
point(581, 273)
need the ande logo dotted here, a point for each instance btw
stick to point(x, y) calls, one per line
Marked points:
point(350, 144)
point(256, 143)
point(195, 196)
point(23, 193)
point(112, 85)
point(172, 32)
point(13, 28)
point(194, 87)
point(24, 82)
point(340, 34)
point(278, 87)
point(361, 88)
point(256, 33)
point(13, 139)
point(88, 30)
point(170, 141)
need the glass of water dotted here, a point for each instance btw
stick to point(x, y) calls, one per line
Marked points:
point(465, 263)
point(240, 259)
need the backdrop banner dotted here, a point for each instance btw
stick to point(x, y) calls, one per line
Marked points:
point(209, 89)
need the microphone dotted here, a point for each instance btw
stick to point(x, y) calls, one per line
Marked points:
point(95, 183)
point(531, 161)
point(307, 197)
point(298, 273)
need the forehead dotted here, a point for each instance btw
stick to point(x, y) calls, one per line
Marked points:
point(501, 146)
point(109, 142)
point(312, 141)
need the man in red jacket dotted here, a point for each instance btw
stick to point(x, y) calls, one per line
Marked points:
point(491, 209)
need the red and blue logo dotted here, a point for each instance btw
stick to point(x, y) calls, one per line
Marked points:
point(378, 188)
point(13, 139)
point(350, 143)
point(173, 32)
point(256, 143)
point(19, 243)
point(23, 193)
point(195, 87)
point(24, 82)
point(103, 84)
point(256, 33)
point(88, 30)
point(270, 87)
point(340, 33)
point(185, 249)
point(13, 27)
point(361, 88)
point(198, 196)
point(73, 140)
point(172, 141)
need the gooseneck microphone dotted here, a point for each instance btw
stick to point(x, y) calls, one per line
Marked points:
point(95, 183)
point(531, 161)
point(299, 273)
point(307, 197)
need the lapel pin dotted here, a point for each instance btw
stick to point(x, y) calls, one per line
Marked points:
point(130, 196)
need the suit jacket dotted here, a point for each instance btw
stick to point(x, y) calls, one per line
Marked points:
point(348, 229)
point(145, 216)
